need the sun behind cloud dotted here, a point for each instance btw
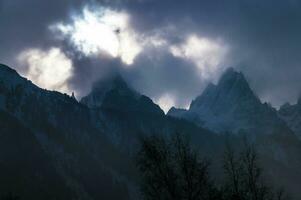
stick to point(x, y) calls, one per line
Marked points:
point(101, 31)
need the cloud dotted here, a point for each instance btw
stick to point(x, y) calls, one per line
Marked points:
point(101, 31)
point(261, 38)
point(49, 69)
point(166, 101)
point(157, 73)
point(208, 55)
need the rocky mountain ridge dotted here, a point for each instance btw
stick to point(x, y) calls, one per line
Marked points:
point(232, 106)
point(86, 149)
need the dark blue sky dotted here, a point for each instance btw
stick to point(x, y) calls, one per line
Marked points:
point(186, 44)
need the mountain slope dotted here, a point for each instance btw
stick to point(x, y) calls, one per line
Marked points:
point(82, 156)
point(90, 146)
point(232, 106)
point(114, 94)
point(291, 114)
point(123, 113)
point(277, 149)
point(86, 149)
point(25, 169)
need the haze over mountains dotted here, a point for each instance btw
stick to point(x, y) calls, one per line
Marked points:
point(291, 114)
point(232, 106)
point(53, 146)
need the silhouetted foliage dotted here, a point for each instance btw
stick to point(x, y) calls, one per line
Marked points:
point(170, 169)
point(244, 177)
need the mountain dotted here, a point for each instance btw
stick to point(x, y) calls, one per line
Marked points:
point(76, 150)
point(54, 147)
point(291, 114)
point(232, 106)
point(25, 165)
point(53, 137)
point(124, 116)
point(114, 93)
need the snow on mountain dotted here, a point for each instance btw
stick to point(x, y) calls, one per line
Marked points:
point(231, 106)
point(84, 149)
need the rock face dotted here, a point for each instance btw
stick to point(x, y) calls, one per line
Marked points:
point(51, 148)
point(291, 114)
point(122, 113)
point(54, 147)
point(231, 106)
point(114, 94)
point(74, 150)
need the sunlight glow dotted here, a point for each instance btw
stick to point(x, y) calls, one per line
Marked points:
point(165, 102)
point(205, 53)
point(101, 31)
point(48, 69)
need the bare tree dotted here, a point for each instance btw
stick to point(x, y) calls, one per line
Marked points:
point(244, 176)
point(170, 169)
point(233, 187)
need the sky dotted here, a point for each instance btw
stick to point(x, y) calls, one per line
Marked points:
point(168, 50)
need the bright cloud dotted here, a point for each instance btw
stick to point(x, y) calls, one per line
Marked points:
point(48, 69)
point(165, 102)
point(102, 31)
point(205, 53)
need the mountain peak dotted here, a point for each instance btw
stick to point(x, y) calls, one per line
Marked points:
point(113, 93)
point(230, 71)
point(231, 105)
point(112, 82)
point(103, 86)
point(6, 69)
point(230, 76)
point(11, 78)
point(231, 89)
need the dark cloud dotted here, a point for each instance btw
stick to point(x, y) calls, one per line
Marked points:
point(89, 70)
point(263, 36)
point(24, 24)
point(165, 75)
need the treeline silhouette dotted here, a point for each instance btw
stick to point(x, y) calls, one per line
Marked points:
point(170, 169)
